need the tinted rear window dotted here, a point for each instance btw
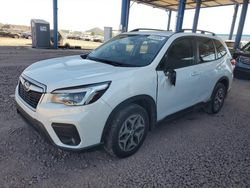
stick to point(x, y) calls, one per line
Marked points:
point(221, 50)
point(206, 49)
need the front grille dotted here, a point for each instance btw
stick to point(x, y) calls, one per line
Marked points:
point(30, 97)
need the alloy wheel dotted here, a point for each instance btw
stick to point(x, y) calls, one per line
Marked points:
point(131, 132)
point(219, 99)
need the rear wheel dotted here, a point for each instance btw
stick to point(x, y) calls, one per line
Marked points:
point(217, 99)
point(128, 130)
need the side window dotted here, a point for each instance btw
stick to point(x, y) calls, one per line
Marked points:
point(180, 54)
point(206, 50)
point(221, 50)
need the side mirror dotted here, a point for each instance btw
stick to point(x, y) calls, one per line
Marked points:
point(171, 74)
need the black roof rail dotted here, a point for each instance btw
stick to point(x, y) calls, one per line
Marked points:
point(201, 31)
point(145, 29)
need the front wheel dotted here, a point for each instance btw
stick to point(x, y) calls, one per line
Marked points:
point(217, 99)
point(128, 130)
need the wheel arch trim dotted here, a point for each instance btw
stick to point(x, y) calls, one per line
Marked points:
point(222, 79)
point(145, 101)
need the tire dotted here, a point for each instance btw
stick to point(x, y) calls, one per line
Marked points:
point(217, 99)
point(128, 129)
point(16, 36)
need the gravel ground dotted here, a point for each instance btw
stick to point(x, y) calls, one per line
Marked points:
point(195, 150)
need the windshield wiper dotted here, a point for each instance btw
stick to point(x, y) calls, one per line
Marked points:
point(114, 63)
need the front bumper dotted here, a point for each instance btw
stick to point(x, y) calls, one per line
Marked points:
point(88, 120)
point(34, 123)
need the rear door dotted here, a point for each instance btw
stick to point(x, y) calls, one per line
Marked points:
point(181, 59)
point(212, 62)
point(207, 63)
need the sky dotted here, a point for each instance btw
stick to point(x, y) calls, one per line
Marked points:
point(82, 15)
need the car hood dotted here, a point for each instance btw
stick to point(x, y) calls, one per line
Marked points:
point(73, 71)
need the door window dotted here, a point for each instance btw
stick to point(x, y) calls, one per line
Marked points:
point(206, 50)
point(180, 54)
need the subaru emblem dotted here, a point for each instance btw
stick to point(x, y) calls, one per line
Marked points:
point(26, 86)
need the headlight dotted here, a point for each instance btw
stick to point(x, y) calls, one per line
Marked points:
point(77, 96)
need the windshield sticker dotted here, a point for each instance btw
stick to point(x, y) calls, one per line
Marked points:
point(156, 37)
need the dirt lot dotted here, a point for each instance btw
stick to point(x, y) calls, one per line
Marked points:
point(196, 150)
point(4, 41)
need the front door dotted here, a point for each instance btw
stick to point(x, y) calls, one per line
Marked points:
point(181, 92)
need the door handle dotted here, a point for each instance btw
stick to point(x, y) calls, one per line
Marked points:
point(195, 73)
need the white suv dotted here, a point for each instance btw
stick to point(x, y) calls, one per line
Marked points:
point(118, 92)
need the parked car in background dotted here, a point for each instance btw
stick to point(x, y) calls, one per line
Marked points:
point(97, 38)
point(26, 35)
point(230, 45)
point(86, 37)
point(63, 41)
point(74, 37)
point(118, 92)
point(8, 33)
point(242, 68)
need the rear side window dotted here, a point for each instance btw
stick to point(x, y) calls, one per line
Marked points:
point(180, 54)
point(206, 50)
point(221, 50)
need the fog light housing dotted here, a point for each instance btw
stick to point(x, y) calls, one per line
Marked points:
point(67, 133)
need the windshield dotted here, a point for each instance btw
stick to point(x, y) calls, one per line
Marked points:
point(129, 50)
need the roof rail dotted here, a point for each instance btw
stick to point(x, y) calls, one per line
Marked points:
point(201, 31)
point(145, 29)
